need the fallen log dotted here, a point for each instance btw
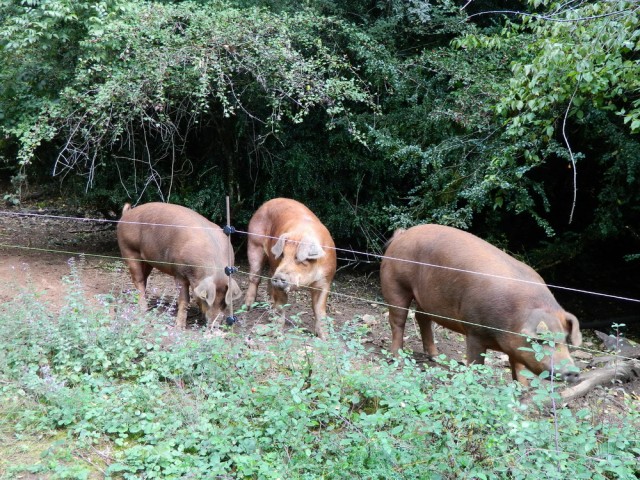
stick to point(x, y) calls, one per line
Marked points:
point(622, 371)
point(619, 345)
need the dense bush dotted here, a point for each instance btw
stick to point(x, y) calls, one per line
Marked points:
point(377, 115)
point(163, 404)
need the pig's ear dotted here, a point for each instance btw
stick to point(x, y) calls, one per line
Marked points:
point(233, 292)
point(575, 337)
point(278, 248)
point(309, 249)
point(542, 328)
point(535, 326)
point(206, 290)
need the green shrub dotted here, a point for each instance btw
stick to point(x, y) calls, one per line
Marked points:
point(191, 405)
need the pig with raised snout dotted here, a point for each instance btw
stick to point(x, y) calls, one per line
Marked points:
point(183, 244)
point(454, 275)
point(300, 252)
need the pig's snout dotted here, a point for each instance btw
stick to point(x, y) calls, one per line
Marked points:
point(280, 281)
point(566, 371)
point(570, 376)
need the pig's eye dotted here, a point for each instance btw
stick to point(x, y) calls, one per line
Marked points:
point(304, 263)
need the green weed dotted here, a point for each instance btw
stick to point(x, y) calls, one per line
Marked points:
point(106, 392)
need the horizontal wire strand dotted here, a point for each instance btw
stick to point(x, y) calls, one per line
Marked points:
point(352, 297)
point(472, 272)
point(443, 317)
point(337, 249)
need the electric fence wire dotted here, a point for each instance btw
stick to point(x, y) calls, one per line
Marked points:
point(332, 293)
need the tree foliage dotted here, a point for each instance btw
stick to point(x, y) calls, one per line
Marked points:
point(573, 99)
point(376, 114)
point(580, 53)
point(145, 81)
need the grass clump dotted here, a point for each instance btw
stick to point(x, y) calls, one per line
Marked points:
point(108, 393)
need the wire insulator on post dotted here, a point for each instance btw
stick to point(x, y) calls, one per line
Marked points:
point(230, 269)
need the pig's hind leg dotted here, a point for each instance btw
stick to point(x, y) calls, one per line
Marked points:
point(140, 272)
point(256, 257)
point(183, 303)
point(476, 350)
point(426, 332)
point(399, 302)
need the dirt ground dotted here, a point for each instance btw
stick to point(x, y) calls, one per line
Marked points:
point(36, 246)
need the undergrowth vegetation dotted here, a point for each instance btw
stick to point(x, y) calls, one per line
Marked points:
point(107, 392)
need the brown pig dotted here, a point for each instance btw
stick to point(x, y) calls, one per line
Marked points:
point(183, 244)
point(454, 275)
point(300, 252)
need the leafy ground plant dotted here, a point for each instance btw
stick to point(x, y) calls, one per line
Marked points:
point(99, 390)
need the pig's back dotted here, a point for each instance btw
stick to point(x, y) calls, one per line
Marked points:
point(466, 258)
point(169, 225)
point(281, 214)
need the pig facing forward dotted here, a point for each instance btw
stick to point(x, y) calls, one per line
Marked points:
point(183, 244)
point(300, 252)
point(504, 296)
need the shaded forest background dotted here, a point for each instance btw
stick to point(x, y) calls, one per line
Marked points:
point(517, 121)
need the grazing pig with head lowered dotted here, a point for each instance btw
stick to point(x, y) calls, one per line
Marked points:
point(300, 252)
point(434, 265)
point(183, 244)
